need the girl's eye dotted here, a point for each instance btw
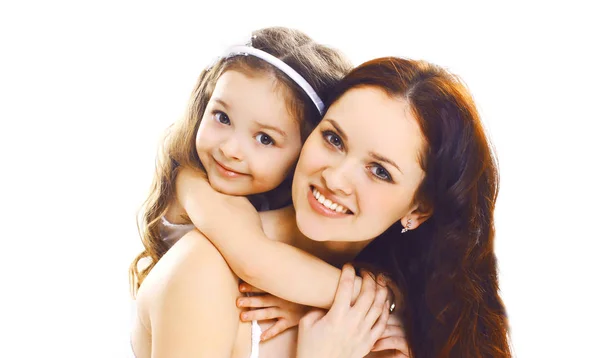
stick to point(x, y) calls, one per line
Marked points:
point(221, 117)
point(333, 139)
point(380, 173)
point(264, 139)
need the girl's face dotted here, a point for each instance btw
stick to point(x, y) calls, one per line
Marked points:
point(359, 169)
point(248, 141)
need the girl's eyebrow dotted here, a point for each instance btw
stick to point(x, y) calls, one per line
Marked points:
point(262, 125)
point(222, 103)
point(273, 128)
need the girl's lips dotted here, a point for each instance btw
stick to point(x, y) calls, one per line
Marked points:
point(320, 209)
point(227, 172)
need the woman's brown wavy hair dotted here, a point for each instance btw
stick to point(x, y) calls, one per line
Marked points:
point(321, 66)
point(446, 268)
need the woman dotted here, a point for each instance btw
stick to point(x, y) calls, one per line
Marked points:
point(421, 161)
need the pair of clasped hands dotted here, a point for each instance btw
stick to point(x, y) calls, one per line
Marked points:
point(348, 330)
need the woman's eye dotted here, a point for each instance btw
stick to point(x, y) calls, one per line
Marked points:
point(221, 117)
point(380, 172)
point(333, 139)
point(264, 139)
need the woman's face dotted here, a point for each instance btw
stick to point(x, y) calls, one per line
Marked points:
point(359, 169)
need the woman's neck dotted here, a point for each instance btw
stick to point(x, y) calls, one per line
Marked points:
point(282, 227)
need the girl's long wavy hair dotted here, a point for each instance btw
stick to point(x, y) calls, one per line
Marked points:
point(321, 66)
point(446, 268)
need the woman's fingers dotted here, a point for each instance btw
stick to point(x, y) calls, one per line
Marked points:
point(393, 330)
point(379, 327)
point(366, 296)
point(311, 317)
point(396, 343)
point(345, 289)
point(381, 296)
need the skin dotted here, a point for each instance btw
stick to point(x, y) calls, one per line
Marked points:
point(343, 159)
point(248, 141)
point(345, 171)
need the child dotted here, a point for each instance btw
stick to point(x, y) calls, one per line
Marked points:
point(245, 126)
point(247, 119)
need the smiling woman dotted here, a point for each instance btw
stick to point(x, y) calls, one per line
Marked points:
point(367, 173)
point(399, 175)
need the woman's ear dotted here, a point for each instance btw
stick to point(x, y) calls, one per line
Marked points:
point(415, 217)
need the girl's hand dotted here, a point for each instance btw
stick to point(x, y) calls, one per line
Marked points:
point(264, 306)
point(346, 331)
point(198, 199)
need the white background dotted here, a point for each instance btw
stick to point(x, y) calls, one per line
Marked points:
point(86, 89)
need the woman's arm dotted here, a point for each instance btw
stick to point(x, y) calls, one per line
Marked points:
point(233, 226)
point(189, 300)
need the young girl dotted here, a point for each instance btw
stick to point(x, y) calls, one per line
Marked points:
point(247, 119)
point(399, 173)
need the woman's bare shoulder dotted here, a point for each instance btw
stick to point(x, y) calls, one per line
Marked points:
point(191, 267)
point(188, 296)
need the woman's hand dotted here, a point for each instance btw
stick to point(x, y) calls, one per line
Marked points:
point(346, 331)
point(391, 344)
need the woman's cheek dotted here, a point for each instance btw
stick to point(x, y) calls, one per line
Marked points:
point(376, 201)
point(315, 162)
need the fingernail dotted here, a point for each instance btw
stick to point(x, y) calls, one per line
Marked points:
point(244, 316)
point(241, 302)
point(243, 288)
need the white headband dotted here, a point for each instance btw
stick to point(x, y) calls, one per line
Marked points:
point(284, 67)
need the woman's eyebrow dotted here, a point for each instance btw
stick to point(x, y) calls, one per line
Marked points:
point(337, 127)
point(373, 155)
point(385, 160)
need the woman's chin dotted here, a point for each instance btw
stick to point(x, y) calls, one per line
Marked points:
point(311, 230)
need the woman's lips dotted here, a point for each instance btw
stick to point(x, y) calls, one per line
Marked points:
point(322, 210)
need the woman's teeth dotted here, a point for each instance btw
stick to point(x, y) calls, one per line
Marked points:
point(328, 203)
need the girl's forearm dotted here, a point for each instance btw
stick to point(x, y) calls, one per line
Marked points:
point(275, 267)
point(282, 270)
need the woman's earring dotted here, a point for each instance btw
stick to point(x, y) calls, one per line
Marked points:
point(407, 227)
